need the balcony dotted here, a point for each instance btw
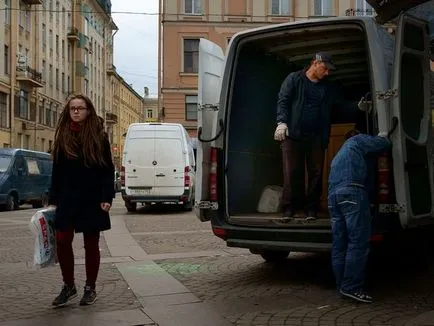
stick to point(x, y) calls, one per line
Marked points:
point(111, 118)
point(29, 77)
point(33, 2)
point(360, 12)
point(73, 34)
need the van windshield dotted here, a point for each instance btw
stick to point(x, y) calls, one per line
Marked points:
point(5, 161)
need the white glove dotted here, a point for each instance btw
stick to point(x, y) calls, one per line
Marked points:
point(365, 106)
point(281, 132)
point(382, 134)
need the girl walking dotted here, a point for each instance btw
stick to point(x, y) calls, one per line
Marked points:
point(82, 189)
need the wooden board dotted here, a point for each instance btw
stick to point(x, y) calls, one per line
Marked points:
point(337, 138)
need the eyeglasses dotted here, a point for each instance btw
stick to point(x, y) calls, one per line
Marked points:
point(77, 108)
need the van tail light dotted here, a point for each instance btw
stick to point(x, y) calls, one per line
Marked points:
point(383, 177)
point(213, 176)
point(187, 182)
point(123, 176)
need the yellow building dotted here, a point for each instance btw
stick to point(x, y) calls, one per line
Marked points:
point(184, 22)
point(128, 106)
point(150, 108)
point(51, 49)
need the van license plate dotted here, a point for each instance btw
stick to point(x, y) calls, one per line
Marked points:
point(141, 191)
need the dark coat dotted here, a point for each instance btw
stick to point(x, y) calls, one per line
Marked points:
point(78, 192)
point(291, 101)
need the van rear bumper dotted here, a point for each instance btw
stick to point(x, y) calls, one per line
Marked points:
point(259, 239)
point(154, 199)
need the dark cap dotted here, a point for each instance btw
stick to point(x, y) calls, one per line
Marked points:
point(326, 58)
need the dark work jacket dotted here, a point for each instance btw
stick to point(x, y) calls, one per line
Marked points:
point(78, 192)
point(291, 101)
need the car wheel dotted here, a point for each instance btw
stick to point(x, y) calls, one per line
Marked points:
point(11, 203)
point(131, 207)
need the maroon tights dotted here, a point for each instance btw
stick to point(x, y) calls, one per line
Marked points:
point(65, 256)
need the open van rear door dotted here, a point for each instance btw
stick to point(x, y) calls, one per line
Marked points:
point(211, 63)
point(412, 159)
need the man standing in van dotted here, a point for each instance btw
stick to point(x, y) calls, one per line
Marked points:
point(350, 181)
point(303, 125)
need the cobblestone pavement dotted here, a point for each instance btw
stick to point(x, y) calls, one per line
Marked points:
point(300, 291)
point(27, 292)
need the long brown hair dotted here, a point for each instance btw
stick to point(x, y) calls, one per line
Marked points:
point(88, 142)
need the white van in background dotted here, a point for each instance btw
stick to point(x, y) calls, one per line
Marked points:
point(158, 165)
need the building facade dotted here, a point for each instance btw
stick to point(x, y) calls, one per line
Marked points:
point(150, 108)
point(184, 22)
point(128, 106)
point(49, 50)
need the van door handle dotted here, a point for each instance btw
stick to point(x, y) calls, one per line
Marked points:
point(160, 175)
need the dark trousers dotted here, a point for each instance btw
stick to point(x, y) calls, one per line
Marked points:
point(351, 228)
point(298, 154)
point(65, 255)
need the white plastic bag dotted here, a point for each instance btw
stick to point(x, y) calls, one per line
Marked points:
point(42, 227)
point(270, 199)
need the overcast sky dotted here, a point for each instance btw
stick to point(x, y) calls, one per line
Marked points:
point(136, 43)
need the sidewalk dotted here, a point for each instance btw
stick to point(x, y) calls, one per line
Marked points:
point(132, 289)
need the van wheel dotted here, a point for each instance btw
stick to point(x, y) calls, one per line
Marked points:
point(272, 256)
point(188, 206)
point(131, 207)
point(11, 203)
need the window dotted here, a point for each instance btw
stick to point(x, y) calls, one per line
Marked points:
point(363, 8)
point(57, 45)
point(86, 27)
point(6, 58)
point(44, 36)
point(27, 143)
point(191, 107)
point(43, 144)
point(23, 102)
point(63, 82)
point(4, 110)
point(44, 70)
point(41, 112)
point(63, 49)
point(50, 75)
point(32, 164)
point(57, 79)
point(7, 12)
point(149, 114)
point(191, 55)
point(48, 116)
point(193, 7)
point(323, 7)
point(69, 85)
point(27, 18)
point(280, 7)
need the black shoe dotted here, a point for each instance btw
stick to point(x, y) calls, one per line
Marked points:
point(67, 294)
point(89, 296)
point(288, 213)
point(311, 216)
point(358, 296)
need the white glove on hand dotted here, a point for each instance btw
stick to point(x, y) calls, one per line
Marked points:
point(382, 134)
point(365, 106)
point(281, 132)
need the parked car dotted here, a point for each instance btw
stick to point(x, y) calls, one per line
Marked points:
point(25, 177)
point(238, 158)
point(158, 165)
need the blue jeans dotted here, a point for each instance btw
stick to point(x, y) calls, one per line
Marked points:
point(351, 228)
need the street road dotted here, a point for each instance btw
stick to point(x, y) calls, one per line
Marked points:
point(236, 285)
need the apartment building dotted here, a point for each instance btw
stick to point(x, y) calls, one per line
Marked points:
point(128, 107)
point(150, 108)
point(183, 22)
point(49, 50)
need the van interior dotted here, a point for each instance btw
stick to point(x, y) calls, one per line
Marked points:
point(263, 62)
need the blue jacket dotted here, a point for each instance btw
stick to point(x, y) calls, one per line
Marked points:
point(350, 165)
point(291, 101)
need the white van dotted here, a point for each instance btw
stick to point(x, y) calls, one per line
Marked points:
point(238, 157)
point(158, 165)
